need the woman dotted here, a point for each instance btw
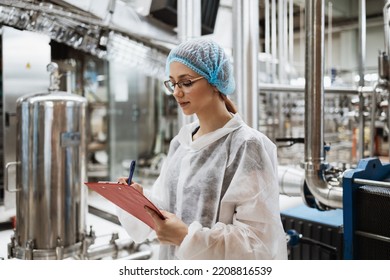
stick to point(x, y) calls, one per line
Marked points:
point(218, 185)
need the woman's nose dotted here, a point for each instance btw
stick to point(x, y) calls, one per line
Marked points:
point(177, 91)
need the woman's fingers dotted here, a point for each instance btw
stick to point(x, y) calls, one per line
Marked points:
point(138, 187)
point(122, 180)
point(156, 218)
point(172, 230)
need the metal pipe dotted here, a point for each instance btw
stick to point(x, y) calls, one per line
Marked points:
point(300, 89)
point(386, 73)
point(273, 39)
point(372, 120)
point(330, 37)
point(291, 33)
point(189, 18)
point(362, 53)
point(362, 40)
point(281, 42)
point(386, 20)
point(302, 32)
point(117, 248)
point(143, 255)
point(285, 39)
point(371, 182)
point(245, 51)
point(291, 180)
point(267, 36)
point(314, 165)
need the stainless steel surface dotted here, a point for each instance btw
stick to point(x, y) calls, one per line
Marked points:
point(267, 35)
point(6, 185)
point(109, 234)
point(24, 58)
point(51, 149)
point(314, 84)
point(371, 182)
point(291, 33)
point(383, 65)
point(28, 252)
point(142, 255)
point(300, 89)
point(282, 58)
point(189, 24)
point(133, 122)
point(120, 249)
point(273, 40)
point(383, 59)
point(361, 126)
point(386, 20)
point(373, 119)
point(362, 41)
point(291, 180)
point(314, 164)
point(84, 30)
point(282, 42)
point(189, 18)
point(245, 52)
point(330, 39)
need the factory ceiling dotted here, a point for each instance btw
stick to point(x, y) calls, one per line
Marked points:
point(134, 17)
point(343, 12)
point(90, 25)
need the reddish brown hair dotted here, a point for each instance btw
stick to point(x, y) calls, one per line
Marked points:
point(230, 106)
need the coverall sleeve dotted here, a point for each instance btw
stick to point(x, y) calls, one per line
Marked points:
point(249, 225)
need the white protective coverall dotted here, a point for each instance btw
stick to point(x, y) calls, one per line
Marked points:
point(224, 186)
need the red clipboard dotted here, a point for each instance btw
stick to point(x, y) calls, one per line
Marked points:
point(127, 198)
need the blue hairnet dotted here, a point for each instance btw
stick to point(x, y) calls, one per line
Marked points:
point(208, 59)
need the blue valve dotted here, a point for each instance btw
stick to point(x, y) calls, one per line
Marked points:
point(292, 237)
point(327, 148)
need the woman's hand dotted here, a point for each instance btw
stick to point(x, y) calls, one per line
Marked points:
point(172, 230)
point(138, 187)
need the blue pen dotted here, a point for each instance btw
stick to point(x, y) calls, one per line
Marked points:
point(132, 167)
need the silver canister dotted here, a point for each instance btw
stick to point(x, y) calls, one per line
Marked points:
point(383, 65)
point(51, 198)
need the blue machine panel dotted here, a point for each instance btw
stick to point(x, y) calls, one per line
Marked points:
point(314, 234)
point(370, 169)
point(331, 217)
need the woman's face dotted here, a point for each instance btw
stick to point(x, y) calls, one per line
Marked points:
point(199, 97)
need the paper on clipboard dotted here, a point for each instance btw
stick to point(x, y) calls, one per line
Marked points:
point(127, 198)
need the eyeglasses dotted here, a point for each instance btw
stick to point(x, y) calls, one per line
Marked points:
point(186, 83)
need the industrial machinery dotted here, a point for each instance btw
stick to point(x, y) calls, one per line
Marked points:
point(51, 199)
point(361, 229)
point(366, 216)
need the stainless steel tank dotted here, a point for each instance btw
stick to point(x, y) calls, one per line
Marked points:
point(51, 171)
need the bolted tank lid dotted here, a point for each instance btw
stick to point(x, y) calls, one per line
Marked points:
point(53, 94)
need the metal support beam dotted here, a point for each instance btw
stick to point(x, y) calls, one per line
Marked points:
point(189, 24)
point(245, 52)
